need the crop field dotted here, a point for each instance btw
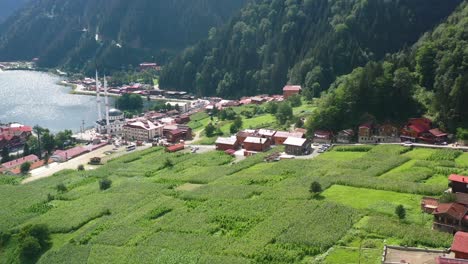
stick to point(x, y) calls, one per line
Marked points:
point(203, 208)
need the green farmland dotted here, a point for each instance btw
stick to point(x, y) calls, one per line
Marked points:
point(203, 208)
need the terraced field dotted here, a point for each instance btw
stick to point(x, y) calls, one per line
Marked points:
point(202, 208)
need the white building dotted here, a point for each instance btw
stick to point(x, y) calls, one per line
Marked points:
point(116, 123)
point(182, 106)
point(142, 131)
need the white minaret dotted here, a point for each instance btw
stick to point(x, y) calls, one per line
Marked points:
point(98, 97)
point(107, 104)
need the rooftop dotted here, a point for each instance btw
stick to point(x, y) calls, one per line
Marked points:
point(226, 140)
point(294, 88)
point(17, 162)
point(458, 178)
point(294, 141)
point(255, 140)
point(455, 210)
point(460, 242)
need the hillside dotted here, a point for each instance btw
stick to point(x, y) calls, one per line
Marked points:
point(430, 78)
point(202, 208)
point(8, 7)
point(308, 42)
point(64, 32)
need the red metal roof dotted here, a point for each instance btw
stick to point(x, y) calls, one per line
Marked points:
point(460, 242)
point(455, 210)
point(437, 133)
point(175, 148)
point(430, 202)
point(15, 163)
point(418, 128)
point(445, 260)
point(458, 178)
point(295, 88)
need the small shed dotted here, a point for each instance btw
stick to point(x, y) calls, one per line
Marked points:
point(459, 183)
point(297, 146)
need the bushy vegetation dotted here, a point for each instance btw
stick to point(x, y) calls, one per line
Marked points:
point(206, 209)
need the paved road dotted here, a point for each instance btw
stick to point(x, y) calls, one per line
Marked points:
point(73, 164)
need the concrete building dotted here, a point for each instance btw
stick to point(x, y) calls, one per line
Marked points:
point(142, 131)
point(116, 123)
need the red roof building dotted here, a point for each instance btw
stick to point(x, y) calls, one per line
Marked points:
point(450, 217)
point(290, 90)
point(459, 183)
point(257, 144)
point(17, 162)
point(175, 148)
point(460, 245)
point(429, 204)
point(446, 260)
point(323, 137)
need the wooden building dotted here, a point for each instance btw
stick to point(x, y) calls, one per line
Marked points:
point(290, 90)
point(460, 245)
point(459, 183)
point(297, 146)
point(345, 136)
point(280, 136)
point(450, 217)
point(227, 143)
point(242, 135)
point(257, 144)
point(323, 137)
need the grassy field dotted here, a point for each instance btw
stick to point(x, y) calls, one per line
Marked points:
point(202, 208)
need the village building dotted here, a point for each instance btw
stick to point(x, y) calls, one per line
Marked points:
point(257, 144)
point(450, 217)
point(227, 143)
point(11, 165)
point(420, 129)
point(345, 136)
point(14, 135)
point(280, 136)
point(180, 106)
point(266, 133)
point(458, 183)
point(177, 133)
point(323, 137)
point(290, 90)
point(257, 100)
point(65, 155)
point(460, 245)
point(297, 146)
point(242, 135)
point(149, 66)
point(142, 131)
point(429, 204)
point(34, 165)
point(182, 119)
point(371, 134)
point(175, 148)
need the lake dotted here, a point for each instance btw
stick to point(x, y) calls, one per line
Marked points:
point(36, 98)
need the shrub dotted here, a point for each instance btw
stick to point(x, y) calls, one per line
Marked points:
point(400, 211)
point(25, 167)
point(30, 247)
point(352, 148)
point(4, 238)
point(447, 198)
point(445, 154)
point(105, 184)
point(33, 239)
point(315, 188)
point(61, 187)
point(81, 167)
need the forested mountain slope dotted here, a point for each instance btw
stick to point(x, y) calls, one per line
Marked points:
point(430, 78)
point(63, 32)
point(308, 42)
point(8, 7)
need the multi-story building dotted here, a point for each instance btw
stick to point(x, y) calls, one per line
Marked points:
point(142, 131)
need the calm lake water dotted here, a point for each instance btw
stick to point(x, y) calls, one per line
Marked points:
point(35, 98)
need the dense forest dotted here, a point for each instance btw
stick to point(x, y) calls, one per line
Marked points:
point(117, 33)
point(8, 7)
point(307, 42)
point(430, 78)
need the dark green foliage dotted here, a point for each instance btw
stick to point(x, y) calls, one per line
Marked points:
point(462, 134)
point(284, 113)
point(61, 188)
point(400, 211)
point(315, 188)
point(210, 130)
point(104, 184)
point(295, 100)
point(5, 155)
point(33, 240)
point(4, 238)
point(147, 30)
point(25, 167)
point(81, 167)
point(352, 148)
point(302, 42)
point(129, 102)
point(448, 198)
point(168, 163)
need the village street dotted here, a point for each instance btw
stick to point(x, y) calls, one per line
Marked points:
point(73, 164)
